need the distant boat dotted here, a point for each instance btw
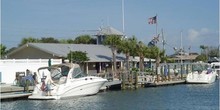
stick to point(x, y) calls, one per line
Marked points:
point(201, 74)
point(69, 81)
point(216, 67)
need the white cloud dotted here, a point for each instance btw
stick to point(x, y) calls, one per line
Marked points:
point(194, 34)
point(205, 31)
point(202, 36)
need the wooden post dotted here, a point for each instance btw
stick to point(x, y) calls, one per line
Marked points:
point(168, 67)
point(132, 78)
point(157, 74)
point(161, 73)
point(187, 68)
point(136, 80)
point(175, 74)
point(87, 68)
point(181, 71)
point(123, 80)
point(152, 68)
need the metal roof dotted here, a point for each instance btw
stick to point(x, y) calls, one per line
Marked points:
point(109, 31)
point(96, 53)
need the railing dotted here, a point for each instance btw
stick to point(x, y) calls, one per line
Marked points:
point(16, 61)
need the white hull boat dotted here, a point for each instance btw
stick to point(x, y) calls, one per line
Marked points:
point(201, 76)
point(216, 68)
point(68, 81)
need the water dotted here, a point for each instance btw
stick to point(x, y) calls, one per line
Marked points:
point(177, 97)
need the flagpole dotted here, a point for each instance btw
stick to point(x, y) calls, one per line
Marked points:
point(123, 17)
point(156, 24)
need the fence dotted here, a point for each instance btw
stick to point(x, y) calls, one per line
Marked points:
point(9, 67)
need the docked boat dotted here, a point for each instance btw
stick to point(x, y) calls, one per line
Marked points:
point(67, 80)
point(202, 74)
point(216, 67)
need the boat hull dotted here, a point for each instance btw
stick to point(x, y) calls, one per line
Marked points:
point(202, 78)
point(77, 87)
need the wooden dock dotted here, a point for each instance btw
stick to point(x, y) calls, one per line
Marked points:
point(165, 83)
point(13, 95)
point(11, 88)
point(11, 91)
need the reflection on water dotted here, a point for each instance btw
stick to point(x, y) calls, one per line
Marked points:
point(186, 96)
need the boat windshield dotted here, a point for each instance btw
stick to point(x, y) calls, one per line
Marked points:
point(200, 67)
point(215, 67)
point(77, 73)
point(57, 73)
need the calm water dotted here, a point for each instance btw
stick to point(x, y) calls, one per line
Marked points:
point(177, 97)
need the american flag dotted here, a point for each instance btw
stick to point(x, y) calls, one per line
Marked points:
point(152, 20)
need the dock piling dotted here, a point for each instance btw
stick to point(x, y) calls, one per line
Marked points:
point(168, 67)
point(181, 71)
point(136, 80)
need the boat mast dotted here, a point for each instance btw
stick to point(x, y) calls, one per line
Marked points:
point(181, 47)
point(163, 40)
point(123, 17)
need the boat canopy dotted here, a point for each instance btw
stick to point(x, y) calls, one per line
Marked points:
point(200, 66)
point(63, 70)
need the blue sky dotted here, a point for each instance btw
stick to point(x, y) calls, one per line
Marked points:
point(63, 19)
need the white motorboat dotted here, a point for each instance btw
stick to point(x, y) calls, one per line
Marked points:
point(201, 74)
point(216, 67)
point(68, 81)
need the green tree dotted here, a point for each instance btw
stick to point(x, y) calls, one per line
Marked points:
point(213, 52)
point(142, 51)
point(202, 57)
point(84, 39)
point(77, 57)
point(133, 44)
point(128, 47)
point(66, 41)
point(124, 48)
point(155, 53)
point(48, 40)
point(203, 48)
point(3, 51)
point(113, 41)
point(28, 40)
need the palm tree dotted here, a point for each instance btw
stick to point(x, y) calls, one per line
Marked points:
point(124, 47)
point(158, 55)
point(142, 51)
point(128, 47)
point(203, 49)
point(113, 41)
